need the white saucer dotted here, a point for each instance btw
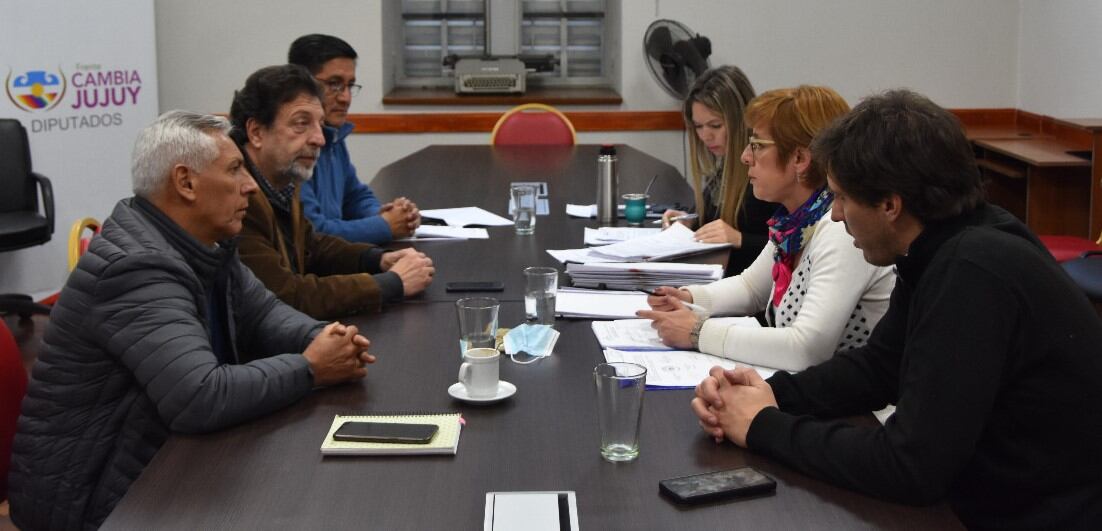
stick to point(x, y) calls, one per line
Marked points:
point(504, 390)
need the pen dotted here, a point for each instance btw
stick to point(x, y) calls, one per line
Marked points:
point(695, 308)
point(675, 218)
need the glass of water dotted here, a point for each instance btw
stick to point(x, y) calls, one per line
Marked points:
point(524, 207)
point(540, 285)
point(620, 389)
point(477, 322)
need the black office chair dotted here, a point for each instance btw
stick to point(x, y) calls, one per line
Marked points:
point(21, 225)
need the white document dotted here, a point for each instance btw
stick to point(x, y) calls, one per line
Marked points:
point(672, 242)
point(628, 334)
point(607, 235)
point(447, 232)
point(531, 511)
point(677, 369)
point(597, 304)
point(581, 256)
point(463, 216)
point(637, 334)
point(581, 211)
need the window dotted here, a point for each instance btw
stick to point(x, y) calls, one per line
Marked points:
point(579, 34)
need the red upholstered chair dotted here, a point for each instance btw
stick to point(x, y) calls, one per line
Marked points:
point(1066, 248)
point(13, 385)
point(533, 124)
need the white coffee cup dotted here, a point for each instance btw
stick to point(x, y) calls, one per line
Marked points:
point(479, 372)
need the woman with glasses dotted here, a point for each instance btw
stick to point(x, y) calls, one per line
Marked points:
point(728, 211)
point(819, 294)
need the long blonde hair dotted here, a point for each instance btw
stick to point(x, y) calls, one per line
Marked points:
point(724, 90)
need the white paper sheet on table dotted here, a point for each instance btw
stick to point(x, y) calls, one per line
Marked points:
point(463, 216)
point(608, 235)
point(637, 334)
point(447, 232)
point(590, 211)
point(581, 256)
point(672, 242)
point(599, 304)
point(677, 369)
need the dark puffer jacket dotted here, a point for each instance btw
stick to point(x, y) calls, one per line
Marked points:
point(128, 358)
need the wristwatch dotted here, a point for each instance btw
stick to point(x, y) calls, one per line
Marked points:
point(694, 334)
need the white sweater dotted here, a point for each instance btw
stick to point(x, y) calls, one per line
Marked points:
point(833, 302)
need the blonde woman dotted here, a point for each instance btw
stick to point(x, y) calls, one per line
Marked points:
point(818, 292)
point(728, 211)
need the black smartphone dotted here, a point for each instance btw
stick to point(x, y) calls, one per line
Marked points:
point(475, 286)
point(385, 432)
point(738, 482)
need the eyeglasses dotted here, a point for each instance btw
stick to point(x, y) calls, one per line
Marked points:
point(337, 87)
point(757, 144)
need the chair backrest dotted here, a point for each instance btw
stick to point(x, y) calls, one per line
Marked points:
point(13, 385)
point(20, 191)
point(78, 242)
point(533, 124)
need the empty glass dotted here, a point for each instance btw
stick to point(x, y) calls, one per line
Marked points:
point(477, 323)
point(620, 408)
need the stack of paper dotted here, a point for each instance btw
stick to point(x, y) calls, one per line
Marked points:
point(633, 275)
point(464, 216)
point(597, 304)
point(673, 242)
point(607, 235)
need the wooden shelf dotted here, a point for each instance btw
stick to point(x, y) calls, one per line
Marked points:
point(548, 95)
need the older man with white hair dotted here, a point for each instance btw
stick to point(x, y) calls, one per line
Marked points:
point(160, 328)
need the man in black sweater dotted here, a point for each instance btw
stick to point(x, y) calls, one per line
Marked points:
point(992, 356)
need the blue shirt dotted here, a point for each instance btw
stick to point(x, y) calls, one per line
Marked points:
point(335, 200)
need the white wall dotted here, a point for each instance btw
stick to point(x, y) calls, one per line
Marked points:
point(85, 152)
point(960, 52)
point(1060, 62)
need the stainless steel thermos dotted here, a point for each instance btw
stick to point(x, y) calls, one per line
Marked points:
point(608, 177)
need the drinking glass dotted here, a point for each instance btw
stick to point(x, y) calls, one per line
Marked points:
point(477, 322)
point(620, 408)
point(541, 283)
point(524, 207)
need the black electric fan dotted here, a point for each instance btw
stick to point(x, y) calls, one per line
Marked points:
point(675, 55)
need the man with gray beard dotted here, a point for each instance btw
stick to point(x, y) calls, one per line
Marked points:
point(277, 120)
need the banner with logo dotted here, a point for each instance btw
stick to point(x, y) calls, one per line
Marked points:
point(82, 79)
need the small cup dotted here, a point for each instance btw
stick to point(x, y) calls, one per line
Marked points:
point(541, 284)
point(479, 372)
point(620, 408)
point(477, 322)
point(635, 208)
point(524, 207)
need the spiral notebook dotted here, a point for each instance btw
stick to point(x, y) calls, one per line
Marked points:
point(446, 440)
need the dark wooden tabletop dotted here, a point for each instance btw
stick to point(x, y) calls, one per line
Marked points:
point(269, 473)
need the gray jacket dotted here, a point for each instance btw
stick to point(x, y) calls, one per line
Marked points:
point(127, 358)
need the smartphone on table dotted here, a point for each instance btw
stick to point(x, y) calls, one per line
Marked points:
point(735, 483)
point(385, 432)
point(490, 285)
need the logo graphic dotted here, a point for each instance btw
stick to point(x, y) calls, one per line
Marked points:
point(36, 90)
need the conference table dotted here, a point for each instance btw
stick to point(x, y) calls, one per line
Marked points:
point(269, 473)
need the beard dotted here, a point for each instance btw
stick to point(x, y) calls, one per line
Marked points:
point(300, 172)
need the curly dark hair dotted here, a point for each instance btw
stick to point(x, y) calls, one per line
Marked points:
point(265, 91)
point(899, 142)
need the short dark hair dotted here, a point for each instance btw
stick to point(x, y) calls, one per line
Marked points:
point(314, 50)
point(900, 142)
point(265, 91)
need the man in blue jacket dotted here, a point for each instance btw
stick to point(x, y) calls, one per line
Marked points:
point(335, 200)
point(988, 350)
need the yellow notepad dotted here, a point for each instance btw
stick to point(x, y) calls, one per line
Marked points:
point(446, 440)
